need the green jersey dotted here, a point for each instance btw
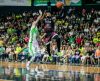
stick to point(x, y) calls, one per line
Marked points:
point(33, 43)
point(33, 34)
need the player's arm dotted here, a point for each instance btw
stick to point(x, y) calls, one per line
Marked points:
point(43, 15)
point(43, 36)
point(37, 20)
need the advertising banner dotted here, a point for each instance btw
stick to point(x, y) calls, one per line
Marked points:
point(15, 2)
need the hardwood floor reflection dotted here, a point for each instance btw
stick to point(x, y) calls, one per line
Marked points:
point(5, 80)
point(45, 67)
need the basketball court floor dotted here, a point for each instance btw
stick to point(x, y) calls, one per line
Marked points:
point(16, 71)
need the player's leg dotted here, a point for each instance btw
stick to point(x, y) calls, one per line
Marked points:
point(57, 38)
point(29, 62)
point(47, 41)
point(37, 52)
point(48, 49)
point(37, 47)
point(31, 52)
point(58, 43)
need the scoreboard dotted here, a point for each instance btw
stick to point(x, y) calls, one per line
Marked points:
point(53, 2)
point(43, 2)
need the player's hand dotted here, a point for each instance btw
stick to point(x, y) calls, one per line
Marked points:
point(40, 12)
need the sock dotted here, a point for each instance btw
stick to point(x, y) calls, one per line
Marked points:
point(29, 62)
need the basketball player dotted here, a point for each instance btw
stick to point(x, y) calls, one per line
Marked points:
point(49, 32)
point(33, 43)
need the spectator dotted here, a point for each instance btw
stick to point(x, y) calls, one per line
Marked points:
point(97, 54)
point(79, 40)
point(2, 51)
point(18, 49)
point(76, 57)
point(1, 42)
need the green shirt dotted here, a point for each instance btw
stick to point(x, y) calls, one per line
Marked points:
point(71, 40)
point(2, 50)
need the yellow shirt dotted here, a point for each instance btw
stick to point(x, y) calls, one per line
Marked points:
point(95, 40)
point(1, 43)
point(18, 50)
point(98, 34)
point(82, 50)
point(17, 72)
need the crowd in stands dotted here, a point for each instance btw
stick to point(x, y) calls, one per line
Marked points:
point(79, 32)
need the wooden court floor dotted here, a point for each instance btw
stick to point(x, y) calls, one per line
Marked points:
point(46, 67)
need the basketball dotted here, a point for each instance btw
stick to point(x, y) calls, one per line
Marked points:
point(59, 4)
